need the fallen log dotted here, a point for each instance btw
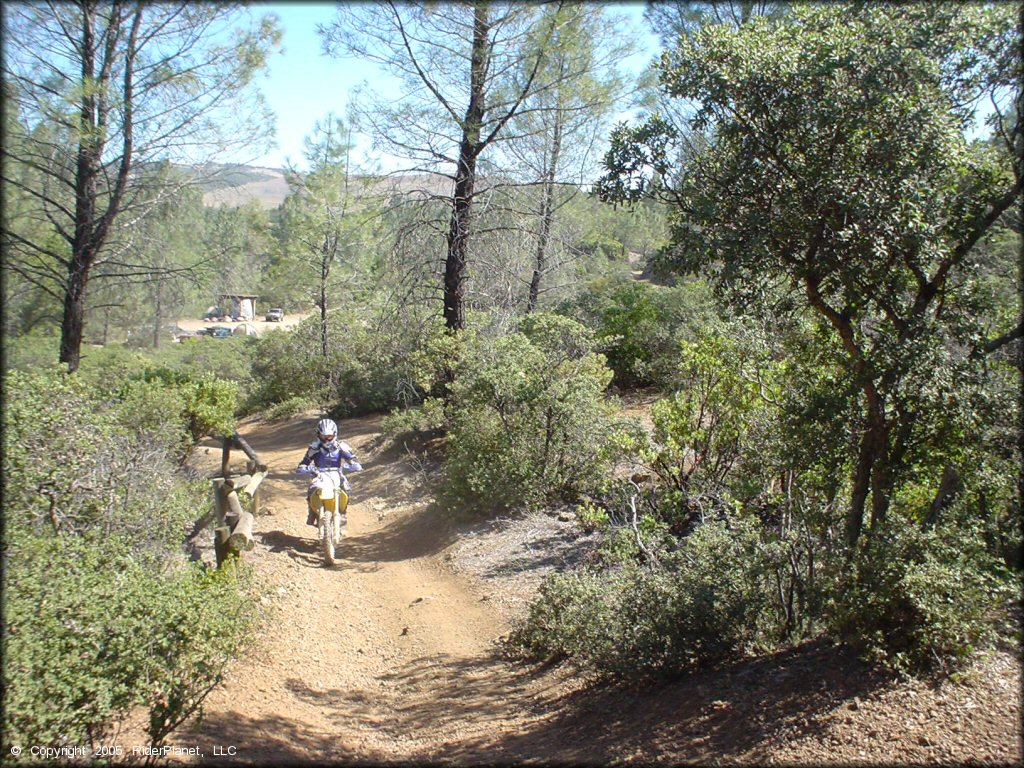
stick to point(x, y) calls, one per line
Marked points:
point(235, 511)
point(254, 483)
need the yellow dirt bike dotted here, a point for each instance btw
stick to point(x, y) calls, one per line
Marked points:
point(328, 501)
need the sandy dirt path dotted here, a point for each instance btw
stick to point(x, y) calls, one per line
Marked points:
point(388, 656)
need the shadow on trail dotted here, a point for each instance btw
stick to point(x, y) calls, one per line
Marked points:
point(430, 694)
point(271, 740)
point(736, 712)
point(303, 550)
point(404, 538)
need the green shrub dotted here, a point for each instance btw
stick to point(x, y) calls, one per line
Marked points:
point(427, 416)
point(572, 617)
point(288, 365)
point(71, 466)
point(598, 244)
point(364, 370)
point(290, 408)
point(102, 614)
point(53, 436)
point(706, 601)
point(93, 632)
point(31, 352)
point(144, 410)
point(639, 326)
point(528, 417)
point(709, 435)
point(208, 404)
point(228, 359)
point(920, 600)
point(110, 366)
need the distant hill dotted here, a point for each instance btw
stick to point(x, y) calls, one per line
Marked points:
point(235, 185)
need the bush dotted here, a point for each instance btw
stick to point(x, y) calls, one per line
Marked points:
point(144, 409)
point(102, 613)
point(529, 420)
point(706, 601)
point(427, 416)
point(31, 352)
point(93, 632)
point(53, 438)
point(364, 371)
point(286, 366)
point(228, 359)
point(70, 466)
point(919, 600)
point(571, 618)
point(290, 408)
point(207, 404)
point(639, 326)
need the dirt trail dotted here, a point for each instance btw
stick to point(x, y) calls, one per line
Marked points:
point(386, 657)
point(390, 657)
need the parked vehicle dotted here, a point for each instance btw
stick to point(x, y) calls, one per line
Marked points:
point(218, 331)
point(215, 313)
point(275, 315)
point(328, 501)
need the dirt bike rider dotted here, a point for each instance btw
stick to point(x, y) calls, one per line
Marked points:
point(326, 452)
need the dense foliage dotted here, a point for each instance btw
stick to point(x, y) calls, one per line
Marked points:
point(835, 179)
point(102, 612)
point(847, 416)
point(529, 422)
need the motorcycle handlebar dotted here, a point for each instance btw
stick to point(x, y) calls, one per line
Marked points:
point(349, 466)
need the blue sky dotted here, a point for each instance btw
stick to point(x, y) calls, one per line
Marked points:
point(304, 85)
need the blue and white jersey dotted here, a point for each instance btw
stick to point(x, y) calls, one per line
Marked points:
point(333, 455)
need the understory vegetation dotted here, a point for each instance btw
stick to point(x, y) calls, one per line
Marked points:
point(104, 612)
point(772, 355)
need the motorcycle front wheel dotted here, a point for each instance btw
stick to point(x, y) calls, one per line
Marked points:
point(339, 530)
point(327, 536)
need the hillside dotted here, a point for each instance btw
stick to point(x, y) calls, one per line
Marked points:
point(237, 185)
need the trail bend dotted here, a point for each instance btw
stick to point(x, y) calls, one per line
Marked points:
point(388, 656)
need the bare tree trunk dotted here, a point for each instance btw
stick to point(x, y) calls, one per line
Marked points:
point(73, 321)
point(158, 319)
point(325, 271)
point(547, 215)
point(91, 229)
point(465, 179)
point(949, 486)
point(83, 252)
point(873, 472)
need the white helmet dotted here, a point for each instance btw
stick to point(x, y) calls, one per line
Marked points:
point(327, 430)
